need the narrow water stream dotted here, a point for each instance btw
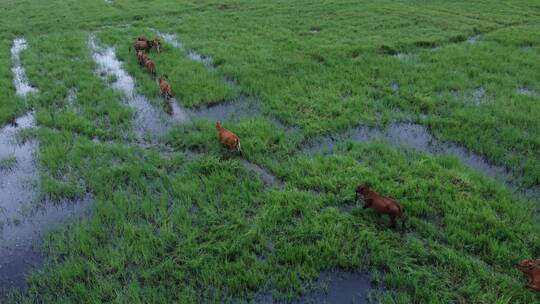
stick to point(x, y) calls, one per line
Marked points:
point(22, 86)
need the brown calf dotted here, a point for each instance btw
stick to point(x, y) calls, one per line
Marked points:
point(165, 89)
point(150, 66)
point(531, 269)
point(381, 204)
point(228, 138)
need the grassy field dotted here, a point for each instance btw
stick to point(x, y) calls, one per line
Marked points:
point(177, 218)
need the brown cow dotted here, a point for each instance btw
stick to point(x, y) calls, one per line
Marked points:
point(142, 45)
point(381, 204)
point(156, 44)
point(228, 138)
point(150, 66)
point(165, 89)
point(12, 120)
point(531, 269)
point(146, 45)
point(141, 57)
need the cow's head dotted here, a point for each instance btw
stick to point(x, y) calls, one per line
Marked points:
point(526, 266)
point(157, 44)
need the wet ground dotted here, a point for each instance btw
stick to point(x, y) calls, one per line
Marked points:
point(416, 137)
point(24, 219)
point(268, 178)
point(22, 86)
point(149, 121)
point(479, 96)
point(18, 174)
point(232, 110)
point(152, 120)
point(402, 56)
point(193, 55)
point(340, 287)
point(20, 250)
point(472, 39)
point(526, 91)
point(334, 287)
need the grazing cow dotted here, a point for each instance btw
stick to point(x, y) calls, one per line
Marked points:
point(141, 57)
point(531, 269)
point(150, 66)
point(165, 89)
point(228, 138)
point(381, 204)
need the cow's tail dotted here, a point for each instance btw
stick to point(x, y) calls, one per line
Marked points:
point(238, 145)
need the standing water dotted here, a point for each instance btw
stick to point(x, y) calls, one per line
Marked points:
point(417, 137)
point(22, 86)
point(22, 219)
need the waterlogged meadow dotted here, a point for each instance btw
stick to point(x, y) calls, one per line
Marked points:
point(433, 103)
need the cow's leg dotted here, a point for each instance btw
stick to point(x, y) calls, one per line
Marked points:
point(393, 220)
point(533, 287)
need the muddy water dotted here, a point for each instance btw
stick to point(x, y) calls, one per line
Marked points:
point(149, 121)
point(22, 86)
point(340, 287)
point(413, 136)
point(22, 218)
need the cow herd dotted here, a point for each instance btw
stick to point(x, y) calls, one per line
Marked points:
point(382, 205)
point(142, 46)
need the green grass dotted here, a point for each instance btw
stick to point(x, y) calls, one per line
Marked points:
point(182, 220)
point(8, 162)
